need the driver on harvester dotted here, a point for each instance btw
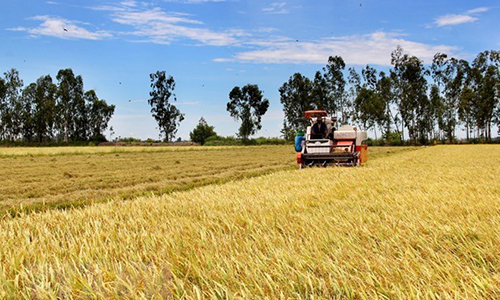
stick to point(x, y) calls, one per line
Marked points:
point(319, 130)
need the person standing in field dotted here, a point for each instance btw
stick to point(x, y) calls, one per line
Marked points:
point(299, 140)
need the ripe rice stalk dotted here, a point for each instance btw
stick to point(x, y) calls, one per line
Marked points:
point(414, 225)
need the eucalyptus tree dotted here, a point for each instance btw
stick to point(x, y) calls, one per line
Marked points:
point(396, 73)
point(438, 73)
point(409, 75)
point(384, 91)
point(70, 105)
point(28, 102)
point(485, 81)
point(44, 113)
point(320, 94)
point(454, 75)
point(3, 106)
point(166, 114)
point(296, 98)
point(248, 105)
point(369, 106)
point(437, 111)
point(12, 105)
point(98, 114)
point(338, 100)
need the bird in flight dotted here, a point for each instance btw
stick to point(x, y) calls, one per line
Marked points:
point(65, 29)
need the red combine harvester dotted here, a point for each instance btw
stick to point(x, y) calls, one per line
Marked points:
point(341, 147)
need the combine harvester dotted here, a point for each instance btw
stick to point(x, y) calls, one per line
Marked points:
point(340, 147)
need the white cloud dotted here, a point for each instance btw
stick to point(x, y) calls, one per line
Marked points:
point(266, 29)
point(451, 20)
point(150, 16)
point(200, 1)
point(130, 3)
point(186, 103)
point(478, 10)
point(18, 29)
point(276, 8)
point(457, 19)
point(62, 28)
point(158, 26)
point(374, 48)
point(194, 1)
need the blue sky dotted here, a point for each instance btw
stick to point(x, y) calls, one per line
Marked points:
point(210, 46)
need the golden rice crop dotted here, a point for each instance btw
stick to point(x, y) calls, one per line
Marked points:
point(73, 178)
point(415, 225)
point(41, 178)
point(81, 150)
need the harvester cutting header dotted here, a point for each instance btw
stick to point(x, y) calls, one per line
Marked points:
point(323, 144)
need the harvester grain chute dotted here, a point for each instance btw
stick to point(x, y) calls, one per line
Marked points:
point(341, 146)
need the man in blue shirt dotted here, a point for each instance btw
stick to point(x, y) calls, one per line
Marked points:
point(298, 140)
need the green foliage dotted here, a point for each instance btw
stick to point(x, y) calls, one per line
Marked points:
point(201, 132)
point(414, 105)
point(128, 140)
point(45, 108)
point(484, 92)
point(369, 108)
point(371, 102)
point(44, 112)
point(232, 141)
point(99, 114)
point(296, 98)
point(70, 105)
point(337, 100)
point(247, 105)
point(404, 101)
point(216, 140)
point(165, 113)
point(11, 119)
point(271, 141)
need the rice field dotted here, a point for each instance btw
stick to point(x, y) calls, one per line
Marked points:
point(76, 150)
point(412, 225)
point(41, 178)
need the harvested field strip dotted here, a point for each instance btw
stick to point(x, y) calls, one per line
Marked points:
point(50, 180)
point(53, 151)
point(414, 225)
point(60, 181)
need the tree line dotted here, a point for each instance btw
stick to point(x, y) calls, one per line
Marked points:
point(246, 104)
point(48, 111)
point(426, 102)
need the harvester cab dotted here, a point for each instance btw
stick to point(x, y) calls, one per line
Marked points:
point(341, 146)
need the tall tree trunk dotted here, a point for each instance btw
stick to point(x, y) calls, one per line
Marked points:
point(402, 129)
point(467, 129)
point(489, 130)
